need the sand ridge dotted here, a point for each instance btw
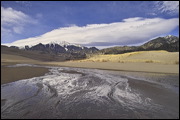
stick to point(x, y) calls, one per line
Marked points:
point(161, 56)
point(142, 61)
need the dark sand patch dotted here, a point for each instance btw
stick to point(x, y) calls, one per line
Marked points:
point(3, 101)
point(11, 74)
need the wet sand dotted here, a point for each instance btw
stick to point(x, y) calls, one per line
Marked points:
point(119, 66)
point(11, 74)
point(14, 74)
point(136, 67)
point(70, 93)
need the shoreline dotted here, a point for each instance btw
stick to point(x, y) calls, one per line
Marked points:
point(127, 67)
point(120, 70)
point(143, 61)
point(12, 74)
point(113, 66)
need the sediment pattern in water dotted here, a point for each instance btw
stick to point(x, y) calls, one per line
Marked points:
point(86, 93)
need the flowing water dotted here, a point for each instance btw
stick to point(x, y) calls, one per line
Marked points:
point(90, 93)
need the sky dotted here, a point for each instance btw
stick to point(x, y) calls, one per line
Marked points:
point(88, 23)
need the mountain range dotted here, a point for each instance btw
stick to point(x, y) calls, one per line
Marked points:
point(169, 43)
point(61, 51)
point(53, 51)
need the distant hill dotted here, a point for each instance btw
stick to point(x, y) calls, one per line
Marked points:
point(169, 43)
point(50, 52)
point(36, 55)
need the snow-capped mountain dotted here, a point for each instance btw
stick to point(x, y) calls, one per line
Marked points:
point(170, 37)
point(50, 46)
point(53, 51)
point(61, 47)
point(22, 43)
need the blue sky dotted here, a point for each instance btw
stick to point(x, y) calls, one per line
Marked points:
point(34, 19)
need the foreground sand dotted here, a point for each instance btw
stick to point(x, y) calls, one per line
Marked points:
point(11, 74)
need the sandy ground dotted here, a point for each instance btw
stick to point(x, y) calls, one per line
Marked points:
point(161, 56)
point(11, 74)
point(146, 61)
point(168, 64)
point(138, 67)
point(7, 59)
point(142, 61)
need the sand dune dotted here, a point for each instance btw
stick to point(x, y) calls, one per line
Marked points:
point(161, 56)
point(143, 61)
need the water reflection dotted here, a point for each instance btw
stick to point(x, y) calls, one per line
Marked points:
point(89, 93)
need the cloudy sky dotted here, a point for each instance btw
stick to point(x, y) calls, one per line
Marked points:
point(88, 23)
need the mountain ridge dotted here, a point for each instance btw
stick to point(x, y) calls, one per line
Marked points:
point(62, 51)
point(51, 51)
point(169, 43)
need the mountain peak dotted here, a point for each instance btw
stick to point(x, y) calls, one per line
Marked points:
point(65, 44)
point(169, 43)
point(61, 43)
point(169, 36)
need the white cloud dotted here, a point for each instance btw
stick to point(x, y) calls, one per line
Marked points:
point(130, 31)
point(132, 19)
point(14, 21)
point(169, 7)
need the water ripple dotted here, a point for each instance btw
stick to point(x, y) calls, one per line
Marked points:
point(82, 93)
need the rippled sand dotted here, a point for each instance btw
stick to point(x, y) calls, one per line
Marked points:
point(90, 93)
